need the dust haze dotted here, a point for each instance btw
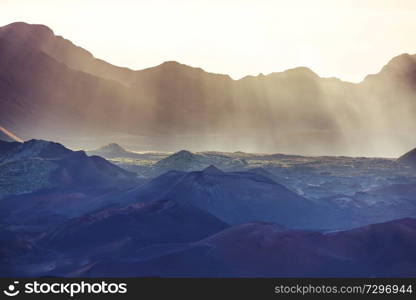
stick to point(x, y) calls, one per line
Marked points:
point(71, 97)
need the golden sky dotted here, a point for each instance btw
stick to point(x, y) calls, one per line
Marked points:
point(344, 38)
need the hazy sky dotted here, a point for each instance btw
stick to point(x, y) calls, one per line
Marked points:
point(342, 38)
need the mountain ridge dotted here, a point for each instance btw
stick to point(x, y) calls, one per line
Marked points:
point(305, 69)
point(52, 90)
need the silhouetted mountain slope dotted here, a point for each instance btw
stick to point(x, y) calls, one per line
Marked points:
point(133, 231)
point(375, 250)
point(37, 149)
point(50, 86)
point(135, 226)
point(80, 169)
point(113, 150)
point(400, 70)
point(37, 164)
point(409, 158)
point(390, 93)
point(181, 161)
point(7, 147)
point(234, 197)
point(380, 250)
point(188, 161)
point(42, 38)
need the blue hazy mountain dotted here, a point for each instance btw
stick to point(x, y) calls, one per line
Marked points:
point(113, 150)
point(135, 226)
point(234, 197)
point(409, 158)
point(7, 147)
point(95, 219)
point(187, 161)
point(43, 183)
point(37, 164)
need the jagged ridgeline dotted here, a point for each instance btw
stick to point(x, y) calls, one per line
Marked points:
point(53, 89)
point(37, 164)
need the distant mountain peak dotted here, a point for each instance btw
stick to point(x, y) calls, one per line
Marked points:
point(183, 153)
point(212, 170)
point(401, 62)
point(26, 32)
point(301, 71)
point(177, 67)
point(41, 144)
point(183, 160)
point(174, 65)
point(38, 149)
point(409, 158)
point(402, 66)
point(404, 57)
point(171, 63)
point(112, 147)
point(27, 27)
point(113, 150)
